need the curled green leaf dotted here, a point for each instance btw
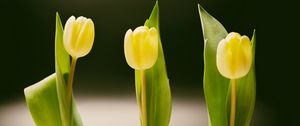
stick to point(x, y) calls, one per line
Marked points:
point(46, 99)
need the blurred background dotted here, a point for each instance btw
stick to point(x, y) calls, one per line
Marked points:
point(27, 48)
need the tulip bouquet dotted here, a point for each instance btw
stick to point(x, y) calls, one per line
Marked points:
point(229, 76)
point(51, 100)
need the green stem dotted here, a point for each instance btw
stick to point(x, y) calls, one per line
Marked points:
point(233, 102)
point(144, 98)
point(70, 88)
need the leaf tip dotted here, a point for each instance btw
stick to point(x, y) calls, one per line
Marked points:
point(199, 6)
point(58, 18)
point(153, 20)
point(200, 9)
point(57, 15)
point(253, 35)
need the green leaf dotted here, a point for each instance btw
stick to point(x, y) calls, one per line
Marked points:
point(42, 101)
point(47, 99)
point(158, 89)
point(216, 87)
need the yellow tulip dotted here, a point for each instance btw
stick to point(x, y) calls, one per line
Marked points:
point(78, 39)
point(79, 36)
point(141, 47)
point(234, 56)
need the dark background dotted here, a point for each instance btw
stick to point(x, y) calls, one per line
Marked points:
point(27, 46)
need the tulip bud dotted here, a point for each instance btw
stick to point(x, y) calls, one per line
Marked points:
point(141, 47)
point(78, 36)
point(234, 56)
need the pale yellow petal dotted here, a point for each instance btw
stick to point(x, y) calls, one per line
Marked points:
point(152, 47)
point(129, 49)
point(68, 36)
point(233, 36)
point(224, 59)
point(85, 38)
point(246, 55)
point(80, 21)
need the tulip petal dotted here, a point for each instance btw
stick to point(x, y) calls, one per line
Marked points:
point(246, 51)
point(68, 34)
point(223, 63)
point(128, 49)
point(80, 21)
point(85, 38)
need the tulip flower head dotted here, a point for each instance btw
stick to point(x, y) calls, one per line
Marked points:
point(141, 47)
point(78, 36)
point(234, 56)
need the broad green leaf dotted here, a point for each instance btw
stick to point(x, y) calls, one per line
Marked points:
point(46, 99)
point(42, 102)
point(158, 89)
point(216, 87)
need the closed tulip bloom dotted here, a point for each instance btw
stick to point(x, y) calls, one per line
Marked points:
point(234, 56)
point(78, 36)
point(141, 47)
